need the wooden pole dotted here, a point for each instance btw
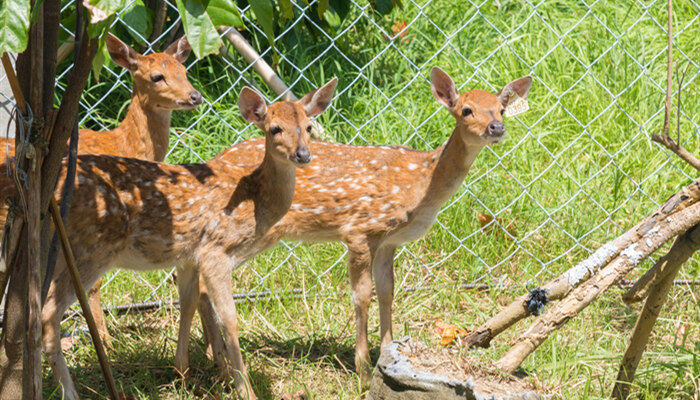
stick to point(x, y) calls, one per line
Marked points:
point(684, 247)
point(679, 253)
point(82, 299)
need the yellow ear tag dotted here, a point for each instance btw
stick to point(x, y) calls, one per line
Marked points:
point(516, 105)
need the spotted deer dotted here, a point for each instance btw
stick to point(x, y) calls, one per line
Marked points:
point(200, 218)
point(160, 85)
point(374, 198)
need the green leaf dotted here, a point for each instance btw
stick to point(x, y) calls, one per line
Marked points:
point(98, 62)
point(102, 14)
point(200, 31)
point(286, 7)
point(137, 17)
point(99, 28)
point(14, 25)
point(225, 12)
point(102, 9)
point(383, 7)
point(263, 13)
point(322, 7)
point(332, 18)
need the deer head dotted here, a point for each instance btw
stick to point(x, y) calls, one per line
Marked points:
point(479, 114)
point(160, 79)
point(286, 124)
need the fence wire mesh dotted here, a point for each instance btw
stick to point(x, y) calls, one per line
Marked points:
point(578, 168)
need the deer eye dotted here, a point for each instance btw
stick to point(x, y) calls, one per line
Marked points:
point(467, 112)
point(308, 128)
point(503, 112)
point(275, 130)
point(157, 78)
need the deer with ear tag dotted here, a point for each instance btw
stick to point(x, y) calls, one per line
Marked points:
point(201, 218)
point(375, 198)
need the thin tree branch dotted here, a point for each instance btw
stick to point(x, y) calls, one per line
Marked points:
point(664, 139)
point(65, 119)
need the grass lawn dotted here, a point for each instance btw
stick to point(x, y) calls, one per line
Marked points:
point(574, 171)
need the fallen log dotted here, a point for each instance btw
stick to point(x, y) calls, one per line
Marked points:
point(676, 216)
point(569, 280)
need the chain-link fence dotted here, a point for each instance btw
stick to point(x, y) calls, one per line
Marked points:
point(576, 169)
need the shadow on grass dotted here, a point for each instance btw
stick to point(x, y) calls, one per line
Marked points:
point(143, 369)
point(142, 364)
point(336, 352)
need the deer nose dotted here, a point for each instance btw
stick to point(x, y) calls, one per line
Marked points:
point(302, 155)
point(496, 128)
point(195, 98)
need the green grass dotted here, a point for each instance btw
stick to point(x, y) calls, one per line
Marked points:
point(575, 170)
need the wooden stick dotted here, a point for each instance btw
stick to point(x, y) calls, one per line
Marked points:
point(65, 49)
point(259, 64)
point(585, 294)
point(684, 247)
point(566, 282)
point(14, 84)
point(80, 292)
point(679, 254)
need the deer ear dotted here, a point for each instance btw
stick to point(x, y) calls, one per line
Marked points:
point(443, 88)
point(520, 86)
point(122, 53)
point(179, 49)
point(316, 101)
point(251, 105)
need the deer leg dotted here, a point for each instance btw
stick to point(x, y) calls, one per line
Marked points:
point(383, 268)
point(59, 297)
point(359, 259)
point(96, 309)
point(188, 289)
point(210, 327)
point(218, 283)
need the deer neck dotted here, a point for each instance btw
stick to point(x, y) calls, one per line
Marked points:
point(453, 160)
point(273, 181)
point(146, 130)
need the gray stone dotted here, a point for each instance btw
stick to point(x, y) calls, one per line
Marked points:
point(396, 379)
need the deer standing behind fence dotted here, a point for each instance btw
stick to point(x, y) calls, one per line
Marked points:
point(160, 85)
point(200, 218)
point(375, 198)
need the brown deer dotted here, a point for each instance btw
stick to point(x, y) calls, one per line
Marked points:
point(200, 218)
point(160, 86)
point(375, 198)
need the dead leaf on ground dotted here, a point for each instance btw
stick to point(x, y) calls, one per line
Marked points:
point(448, 333)
point(398, 28)
point(486, 222)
